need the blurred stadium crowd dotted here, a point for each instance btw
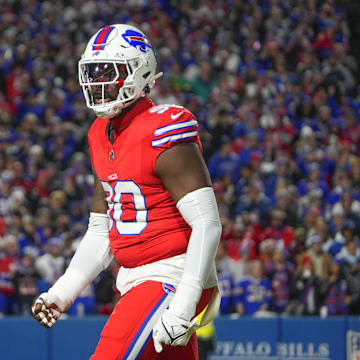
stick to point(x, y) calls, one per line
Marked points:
point(274, 87)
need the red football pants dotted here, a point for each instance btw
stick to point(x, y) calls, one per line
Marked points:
point(128, 332)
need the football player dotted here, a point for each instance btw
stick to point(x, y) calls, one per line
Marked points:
point(153, 209)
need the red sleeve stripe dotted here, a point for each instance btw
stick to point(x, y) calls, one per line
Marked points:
point(174, 138)
point(171, 127)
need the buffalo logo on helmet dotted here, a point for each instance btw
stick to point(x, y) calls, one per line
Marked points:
point(137, 40)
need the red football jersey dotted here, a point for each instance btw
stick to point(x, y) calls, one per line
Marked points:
point(145, 223)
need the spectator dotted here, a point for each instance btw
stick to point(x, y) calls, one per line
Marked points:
point(281, 172)
point(350, 207)
point(310, 220)
point(51, 265)
point(350, 253)
point(321, 261)
point(8, 265)
point(105, 292)
point(203, 84)
point(266, 254)
point(313, 181)
point(224, 192)
point(299, 247)
point(236, 259)
point(283, 234)
point(43, 225)
point(285, 203)
point(305, 290)
point(280, 273)
point(226, 280)
point(352, 277)
point(254, 201)
point(246, 174)
point(337, 228)
point(253, 294)
point(85, 303)
point(336, 299)
point(28, 235)
point(241, 242)
point(251, 149)
point(25, 281)
point(355, 174)
point(222, 162)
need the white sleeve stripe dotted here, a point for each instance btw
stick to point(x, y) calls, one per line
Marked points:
point(166, 139)
point(181, 130)
point(179, 125)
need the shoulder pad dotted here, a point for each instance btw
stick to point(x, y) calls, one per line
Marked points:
point(175, 123)
point(168, 111)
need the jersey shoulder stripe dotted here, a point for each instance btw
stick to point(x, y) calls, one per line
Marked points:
point(179, 125)
point(174, 138)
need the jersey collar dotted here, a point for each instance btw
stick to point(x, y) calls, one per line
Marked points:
point(124, 120)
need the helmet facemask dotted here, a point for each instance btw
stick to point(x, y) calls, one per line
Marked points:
point(109, 86)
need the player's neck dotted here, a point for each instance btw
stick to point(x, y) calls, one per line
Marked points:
point(121, 121)
point(125, 111)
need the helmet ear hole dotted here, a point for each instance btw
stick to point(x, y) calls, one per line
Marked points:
point(146, 75)
point(130, 92)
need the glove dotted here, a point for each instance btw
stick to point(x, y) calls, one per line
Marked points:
point(47, 309)
point(176, 324)
point(172, 330)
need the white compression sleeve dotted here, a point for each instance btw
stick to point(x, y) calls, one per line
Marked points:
point(199, 209)
point(91, 257)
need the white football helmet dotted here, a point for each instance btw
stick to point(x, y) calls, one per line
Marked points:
point(117, 67)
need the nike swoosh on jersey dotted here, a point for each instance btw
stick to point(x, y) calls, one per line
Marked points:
point(176, 115)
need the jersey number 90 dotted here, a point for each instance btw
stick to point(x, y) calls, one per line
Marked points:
point(116, 211)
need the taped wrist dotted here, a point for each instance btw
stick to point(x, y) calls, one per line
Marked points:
point(91, 257)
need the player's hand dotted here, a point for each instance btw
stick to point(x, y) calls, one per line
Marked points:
point(45, 309)
point(172, 330)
